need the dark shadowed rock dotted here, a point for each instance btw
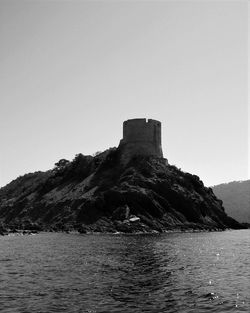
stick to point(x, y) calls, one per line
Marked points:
point(103, 194)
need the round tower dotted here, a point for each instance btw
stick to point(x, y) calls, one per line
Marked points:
point(141, 137)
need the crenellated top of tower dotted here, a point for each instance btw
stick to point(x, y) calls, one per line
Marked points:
point(141, 129)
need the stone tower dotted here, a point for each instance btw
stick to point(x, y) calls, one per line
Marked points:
point(141, 137)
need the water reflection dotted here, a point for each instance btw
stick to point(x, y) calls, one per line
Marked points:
point(175, 273)
point(143, 273)
point(206, 272)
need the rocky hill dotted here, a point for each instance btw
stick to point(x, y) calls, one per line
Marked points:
point(102, 195)
point(236, 199)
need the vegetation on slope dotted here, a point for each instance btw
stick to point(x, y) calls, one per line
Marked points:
point(236, 199)
point(100, 194)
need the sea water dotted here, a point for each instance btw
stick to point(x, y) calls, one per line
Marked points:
point(173, 272)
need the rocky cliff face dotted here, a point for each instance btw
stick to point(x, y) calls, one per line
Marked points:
point(100, 194)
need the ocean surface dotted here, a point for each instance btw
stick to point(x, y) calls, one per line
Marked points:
point(175, 272)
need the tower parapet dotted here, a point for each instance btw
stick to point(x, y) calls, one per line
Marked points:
point(141, 137)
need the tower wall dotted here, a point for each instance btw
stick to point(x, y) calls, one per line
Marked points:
point(141, 137)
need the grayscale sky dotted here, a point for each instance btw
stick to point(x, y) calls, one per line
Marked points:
point(72, 71)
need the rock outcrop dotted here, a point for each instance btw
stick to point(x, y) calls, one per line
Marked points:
point(101, 194)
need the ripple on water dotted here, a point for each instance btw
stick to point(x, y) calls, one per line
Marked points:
point(201, 272)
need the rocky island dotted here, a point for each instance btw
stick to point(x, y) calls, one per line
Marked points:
point(128, 189)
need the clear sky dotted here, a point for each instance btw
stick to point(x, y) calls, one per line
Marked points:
point(72, 71)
